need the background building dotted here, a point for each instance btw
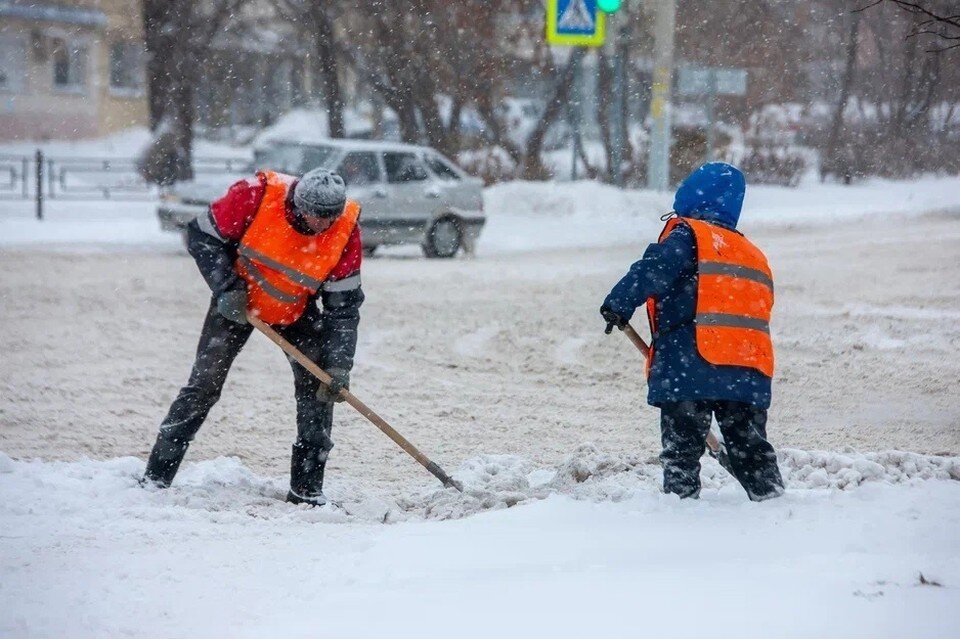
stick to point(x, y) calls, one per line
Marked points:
point(70, 69)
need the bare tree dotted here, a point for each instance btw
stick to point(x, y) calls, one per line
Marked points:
point(179, 34)
point(836, 155)
point(939, 19)
point(316, 22)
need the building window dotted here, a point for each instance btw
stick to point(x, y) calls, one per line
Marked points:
point(69, 65)
point(13, 55)
point(126, 68)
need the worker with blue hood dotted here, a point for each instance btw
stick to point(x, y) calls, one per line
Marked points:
point(708, 293)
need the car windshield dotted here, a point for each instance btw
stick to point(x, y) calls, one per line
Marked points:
point(292, 158)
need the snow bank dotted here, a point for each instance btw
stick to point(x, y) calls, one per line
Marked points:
point(312, 125)
point(84, 552)
point(551, 215)
point(499, 481)
point(226, 488)
point(521, 216)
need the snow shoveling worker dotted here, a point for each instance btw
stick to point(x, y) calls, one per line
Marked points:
point(279, 248)
point(709, 293)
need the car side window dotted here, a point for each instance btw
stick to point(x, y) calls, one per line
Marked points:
point(359, 168)
point(441, 168)
point(404, 167)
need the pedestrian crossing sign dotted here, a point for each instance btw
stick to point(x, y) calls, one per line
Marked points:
point(578, 23)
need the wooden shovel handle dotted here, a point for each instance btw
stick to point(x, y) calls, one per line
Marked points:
point(354, 401)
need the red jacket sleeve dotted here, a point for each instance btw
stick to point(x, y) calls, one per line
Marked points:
point(349, 264)
point(234, 211)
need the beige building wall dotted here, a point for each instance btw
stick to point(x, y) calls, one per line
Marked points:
point(38, 34)
point(122, 108)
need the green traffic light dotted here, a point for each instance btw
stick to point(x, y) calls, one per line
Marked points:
point(609, 6)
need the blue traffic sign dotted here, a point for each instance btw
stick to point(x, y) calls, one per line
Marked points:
point(575, 23)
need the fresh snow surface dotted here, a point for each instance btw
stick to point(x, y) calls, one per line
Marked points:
point(92, 225)
point(311, 124)
point(587, 548)
point(125, 144)
point(549, 215)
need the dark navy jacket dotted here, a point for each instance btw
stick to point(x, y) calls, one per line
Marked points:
point(668, 271)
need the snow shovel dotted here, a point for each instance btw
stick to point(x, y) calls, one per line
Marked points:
point(351, 399)
point(715, 447)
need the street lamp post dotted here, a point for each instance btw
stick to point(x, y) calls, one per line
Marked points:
point(658, 165)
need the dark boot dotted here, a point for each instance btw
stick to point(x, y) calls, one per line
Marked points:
point(752, 458)
point(683, 432)
point(220, 342)
point(164, 461)
point(306, 475)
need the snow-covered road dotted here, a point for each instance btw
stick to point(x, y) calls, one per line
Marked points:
point(498, 354)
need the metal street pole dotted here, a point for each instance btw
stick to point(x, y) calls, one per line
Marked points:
point(575, 112)
point(711, 113)
point(625, 96)
point(619, 95)
point(658, 165)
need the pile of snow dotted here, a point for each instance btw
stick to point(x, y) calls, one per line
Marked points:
point(502, 481)
point(550, 215)
point(313, 125)
point(226, 488)
point(84, 552)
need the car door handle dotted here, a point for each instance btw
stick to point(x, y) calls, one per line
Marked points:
point(380, 192)
point(432, 192)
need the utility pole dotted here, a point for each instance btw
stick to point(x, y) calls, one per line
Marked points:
point(711, 113)
point(658, 165)
point(619, 128)
point(575, 113)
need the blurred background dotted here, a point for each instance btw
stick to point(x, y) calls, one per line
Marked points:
point(788, 89)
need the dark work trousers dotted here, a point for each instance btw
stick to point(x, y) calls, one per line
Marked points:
point(683, 429)
point(220, 342)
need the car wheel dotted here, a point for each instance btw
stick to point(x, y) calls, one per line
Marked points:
point(369, 250)
point(444, 238)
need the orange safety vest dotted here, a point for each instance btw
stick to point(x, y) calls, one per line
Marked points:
point(734, 298)
point(284, 268)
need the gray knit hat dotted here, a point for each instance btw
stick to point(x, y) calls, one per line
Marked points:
point(320, 192)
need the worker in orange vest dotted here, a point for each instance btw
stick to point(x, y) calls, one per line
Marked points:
point(287, 251)
point(708, 293)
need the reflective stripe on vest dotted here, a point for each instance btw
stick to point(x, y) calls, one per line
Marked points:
point(284, 268)
point(736, 321)
point(254, 272)
point(735, 270)
point(292, 274)
point(734, 298)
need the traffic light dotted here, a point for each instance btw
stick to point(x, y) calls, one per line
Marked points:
point(609, 6)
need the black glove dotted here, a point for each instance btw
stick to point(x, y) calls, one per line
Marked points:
point(340, 381)
point(612, 319)
point(232, 304)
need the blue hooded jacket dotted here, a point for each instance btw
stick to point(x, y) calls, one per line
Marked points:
point(668, 271)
